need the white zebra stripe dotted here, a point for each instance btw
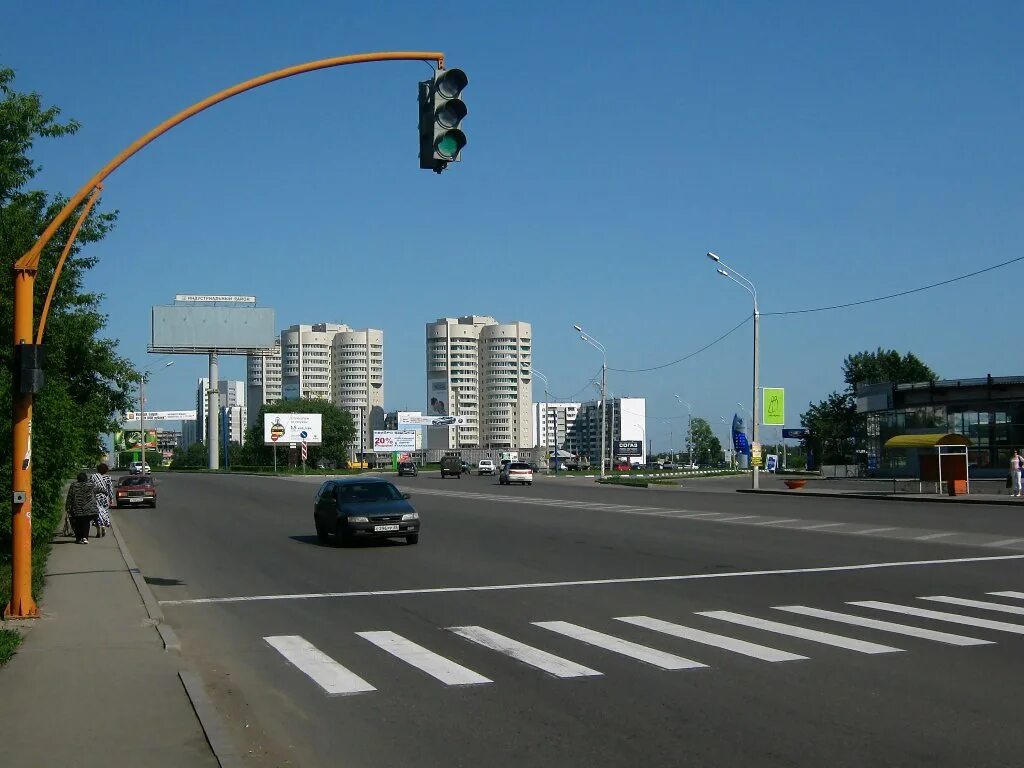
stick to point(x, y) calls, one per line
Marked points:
point(826, 638)
point(885, 626)
point(535, 657)
point(618, 645)
point(710, 638)
point(445, 670)
point(331, 676)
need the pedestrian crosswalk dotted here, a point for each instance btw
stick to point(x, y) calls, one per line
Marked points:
point(334, 679)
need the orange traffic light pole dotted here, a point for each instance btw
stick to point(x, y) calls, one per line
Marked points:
point(22, 604)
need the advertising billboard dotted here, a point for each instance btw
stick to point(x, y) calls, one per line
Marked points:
point(389, 440)
point(437, 395)
point(628, 448)
point(133, 416)
point(286, 428)
point(774, 401)
point(194, 328)
point(417, 419)
point(130, 439)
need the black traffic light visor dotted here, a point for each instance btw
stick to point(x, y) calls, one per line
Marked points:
point(451, 82)
point(451, 113)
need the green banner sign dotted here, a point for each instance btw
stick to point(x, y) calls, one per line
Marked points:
point(773, 401)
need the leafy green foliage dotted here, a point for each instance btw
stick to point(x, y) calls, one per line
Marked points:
point(836, 428)
point(193, 457)
point(339, 433)
point(87, 382)
point(885, 365)
point(707, 448)
point(10, 639)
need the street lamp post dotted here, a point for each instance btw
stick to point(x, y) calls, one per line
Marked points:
point(689, 428)
point(143, 378)
point(547, 405)
point(726, 271)
point(604, 384)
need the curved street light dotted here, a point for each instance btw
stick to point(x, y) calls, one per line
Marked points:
point(726, 271)
point(604, 384)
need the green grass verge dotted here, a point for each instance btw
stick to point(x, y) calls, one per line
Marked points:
point(10, 639)
point(40, 553)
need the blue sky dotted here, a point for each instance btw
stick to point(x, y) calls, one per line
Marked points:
point(829, 151)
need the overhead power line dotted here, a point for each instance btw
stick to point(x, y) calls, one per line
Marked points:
point(687, 357)
point(896, 295)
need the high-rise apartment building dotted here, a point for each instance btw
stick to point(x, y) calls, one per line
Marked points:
point(626, 420)
point(554, 426)
point(357, 379)
point(306, 360)
point(263, 380)
point(231, 394)
point(479, 369)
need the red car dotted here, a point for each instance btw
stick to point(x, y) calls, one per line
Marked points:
point(134, 490)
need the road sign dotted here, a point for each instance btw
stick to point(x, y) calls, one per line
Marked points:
point(304, 453)
point(630, 448)
point(795, 434)
point(755, 454)
point(771, 462)
point(773, 401)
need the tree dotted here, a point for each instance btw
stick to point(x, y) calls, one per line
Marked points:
point(87, 382)
point(339, 432)
point(194, 457)
point(706, 447)
point(885, 365)
point(835, 428)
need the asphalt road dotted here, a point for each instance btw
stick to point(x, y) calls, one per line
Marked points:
point(498, 639)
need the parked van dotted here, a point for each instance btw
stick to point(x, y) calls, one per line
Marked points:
point(451, 465)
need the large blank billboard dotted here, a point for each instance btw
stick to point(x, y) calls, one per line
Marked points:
point(184, 328)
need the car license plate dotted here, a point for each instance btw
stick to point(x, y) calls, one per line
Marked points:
point(385, 528)
point(135, 499)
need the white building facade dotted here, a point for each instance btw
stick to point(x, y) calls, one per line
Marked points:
point(357, 380)
point(231, 394)
point(306, 360)
point(479, 369)
point(627, 420)
point(554, 426)
point(263, 380)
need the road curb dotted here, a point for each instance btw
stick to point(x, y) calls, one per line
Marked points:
point(208, 717)
point(210, 720)
point(875, 497)
point(167, 633)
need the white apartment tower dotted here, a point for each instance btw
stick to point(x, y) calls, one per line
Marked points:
point(479, 369)
point(306, 360)
point(263, 380)
point(357, 379)
point(231, 394)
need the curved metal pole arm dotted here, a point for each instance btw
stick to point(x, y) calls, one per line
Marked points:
point(63, 257)
point(30, 261)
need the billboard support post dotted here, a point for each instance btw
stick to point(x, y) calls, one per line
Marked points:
point(211, 416)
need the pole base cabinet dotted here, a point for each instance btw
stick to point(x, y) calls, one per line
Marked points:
point(956, 487)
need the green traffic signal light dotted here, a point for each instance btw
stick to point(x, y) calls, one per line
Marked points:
point(450, 144)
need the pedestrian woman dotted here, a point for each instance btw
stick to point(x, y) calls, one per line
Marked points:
point(1015, 470)
point(104, 497)
point(81, 507)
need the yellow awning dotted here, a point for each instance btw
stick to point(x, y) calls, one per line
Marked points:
point(926, 441)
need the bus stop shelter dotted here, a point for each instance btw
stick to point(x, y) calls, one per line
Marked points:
point(939, 456)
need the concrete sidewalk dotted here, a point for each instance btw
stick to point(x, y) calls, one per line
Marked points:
point(875, 495)
point(92, 684)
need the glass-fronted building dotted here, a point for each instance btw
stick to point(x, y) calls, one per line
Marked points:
point(989, 411)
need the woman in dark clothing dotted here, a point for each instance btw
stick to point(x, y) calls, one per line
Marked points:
point(81, 507)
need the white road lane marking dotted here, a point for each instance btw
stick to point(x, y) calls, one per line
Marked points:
point(820, 525)
point(335, 679)
point(445, 670)
point(983, 604)
point(618, 645)
point(783, 520)
point(826, 638)
point(710, 638)
point(589, 582)
point(1004, 542)
point(931, 536)
point(739, 517)
point(535, 657)
point(1016, 595)
point(875, 530)
point(955, 618)
point(885, 626)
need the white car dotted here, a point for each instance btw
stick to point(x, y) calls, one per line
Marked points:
point(516, 472)
point(485, 467)
point(138, 468)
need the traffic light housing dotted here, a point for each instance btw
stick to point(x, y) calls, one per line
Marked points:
point(441, 112)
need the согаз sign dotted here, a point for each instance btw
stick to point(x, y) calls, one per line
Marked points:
point(631, 448)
